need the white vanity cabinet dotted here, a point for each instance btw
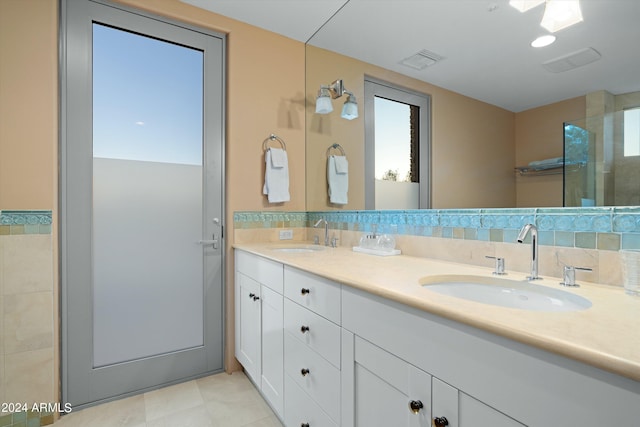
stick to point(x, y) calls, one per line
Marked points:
point(388, 391)
point(476, 379)
point(312, 343)
point(259, 316)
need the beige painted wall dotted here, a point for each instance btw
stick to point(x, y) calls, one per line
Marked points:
point(473, 148)
point(28, 104)
point(538, 136)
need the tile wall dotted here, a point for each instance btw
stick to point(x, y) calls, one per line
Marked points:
point(584, 237)
point(26, 318)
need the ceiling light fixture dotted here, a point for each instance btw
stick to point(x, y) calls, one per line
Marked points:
point(524, 5)
point(560, 14)
point(543, 41)
point(336, 90)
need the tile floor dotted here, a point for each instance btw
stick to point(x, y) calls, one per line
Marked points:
point(219, 400)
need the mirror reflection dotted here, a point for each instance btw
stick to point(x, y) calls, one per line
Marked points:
point(492, 125)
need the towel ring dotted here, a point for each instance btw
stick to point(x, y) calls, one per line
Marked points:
point(337, 147)
point(273, 137)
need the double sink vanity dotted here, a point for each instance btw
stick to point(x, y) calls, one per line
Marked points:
point(337, 338)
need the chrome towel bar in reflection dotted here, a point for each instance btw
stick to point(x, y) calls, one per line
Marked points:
point(337, 147)
point(273, 137)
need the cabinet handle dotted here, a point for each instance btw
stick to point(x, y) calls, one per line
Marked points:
point(304, 425)
point(415, 406)
point(256, 298)
point(251, 295)
point(304, 329)
point(305, 291)
point(440, 422)
point(305, 372)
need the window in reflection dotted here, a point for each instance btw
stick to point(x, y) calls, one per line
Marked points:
point(397, 148)
point(632, 132)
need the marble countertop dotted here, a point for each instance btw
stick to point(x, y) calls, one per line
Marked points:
point(606, 336)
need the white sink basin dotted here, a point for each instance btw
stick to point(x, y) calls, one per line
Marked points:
point(299, 248)
point(505, 293)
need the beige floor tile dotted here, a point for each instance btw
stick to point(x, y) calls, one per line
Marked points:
point(193, 417)
point(271, 421)
point(176, 398)
point(224, 387)
point(239, 413)
point(128, 412)
point(232, 401)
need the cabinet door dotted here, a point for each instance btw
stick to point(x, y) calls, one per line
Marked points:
point(272, 348)
point(248, 337)
point(389, 391)
point(474, 413)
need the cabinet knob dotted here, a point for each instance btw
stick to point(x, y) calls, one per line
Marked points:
point(440, 422)
point(256, 298)
point(251, 295)
point(304, 329)
point(415, 406)
point(304, 291)
point(304, 425)
point(305, 372)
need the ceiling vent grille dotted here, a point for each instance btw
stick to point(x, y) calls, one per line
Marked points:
point(573, 60)
point(422, 60)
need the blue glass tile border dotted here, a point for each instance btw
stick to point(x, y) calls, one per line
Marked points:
point(609, 228)
point(13, 222)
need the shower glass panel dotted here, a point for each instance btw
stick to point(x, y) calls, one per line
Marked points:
point(602, 160)
point(147, 196)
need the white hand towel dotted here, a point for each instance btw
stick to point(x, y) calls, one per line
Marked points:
point(276, 178)
point(338, 181)
point(278, 157)
point(342, 165)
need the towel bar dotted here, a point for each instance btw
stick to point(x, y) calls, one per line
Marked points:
point(336, 146)
point(273, 137)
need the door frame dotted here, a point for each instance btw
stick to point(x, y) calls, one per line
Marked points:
point(63, 199)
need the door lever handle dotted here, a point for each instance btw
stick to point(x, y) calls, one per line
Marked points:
point(213, 242)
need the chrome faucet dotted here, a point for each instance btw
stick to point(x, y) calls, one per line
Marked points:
point(534, 248)
point(326, 230)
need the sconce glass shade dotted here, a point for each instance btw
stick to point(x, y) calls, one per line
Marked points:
point(560, 14)
point(323, 101)
point(524, 5)
point(350, 108)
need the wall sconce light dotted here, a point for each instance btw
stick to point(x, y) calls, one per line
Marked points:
point(333, 91)
point(350, 107)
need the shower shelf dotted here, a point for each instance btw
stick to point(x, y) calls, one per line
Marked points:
point(533, 171)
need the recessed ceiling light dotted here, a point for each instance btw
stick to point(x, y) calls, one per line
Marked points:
point(543, 41)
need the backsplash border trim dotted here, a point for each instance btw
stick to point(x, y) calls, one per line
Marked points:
point(605, 228)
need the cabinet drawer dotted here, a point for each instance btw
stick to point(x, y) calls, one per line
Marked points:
point(319, 334)
point(262, 270)
point(322, 382)
point(319, 295)
point(300, 409)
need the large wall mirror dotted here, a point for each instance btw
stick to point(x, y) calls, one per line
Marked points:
point(496, 103)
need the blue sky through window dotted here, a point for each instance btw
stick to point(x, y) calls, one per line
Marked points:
point(393, 138)
point(147, 98)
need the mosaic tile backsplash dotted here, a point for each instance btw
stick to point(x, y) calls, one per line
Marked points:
point(609, 228)
point(25, 222)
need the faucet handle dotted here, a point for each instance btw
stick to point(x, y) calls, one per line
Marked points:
point(569, 275)
point(334, 242)
point(499, 268)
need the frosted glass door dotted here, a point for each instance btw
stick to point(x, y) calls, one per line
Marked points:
point(147, 196)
